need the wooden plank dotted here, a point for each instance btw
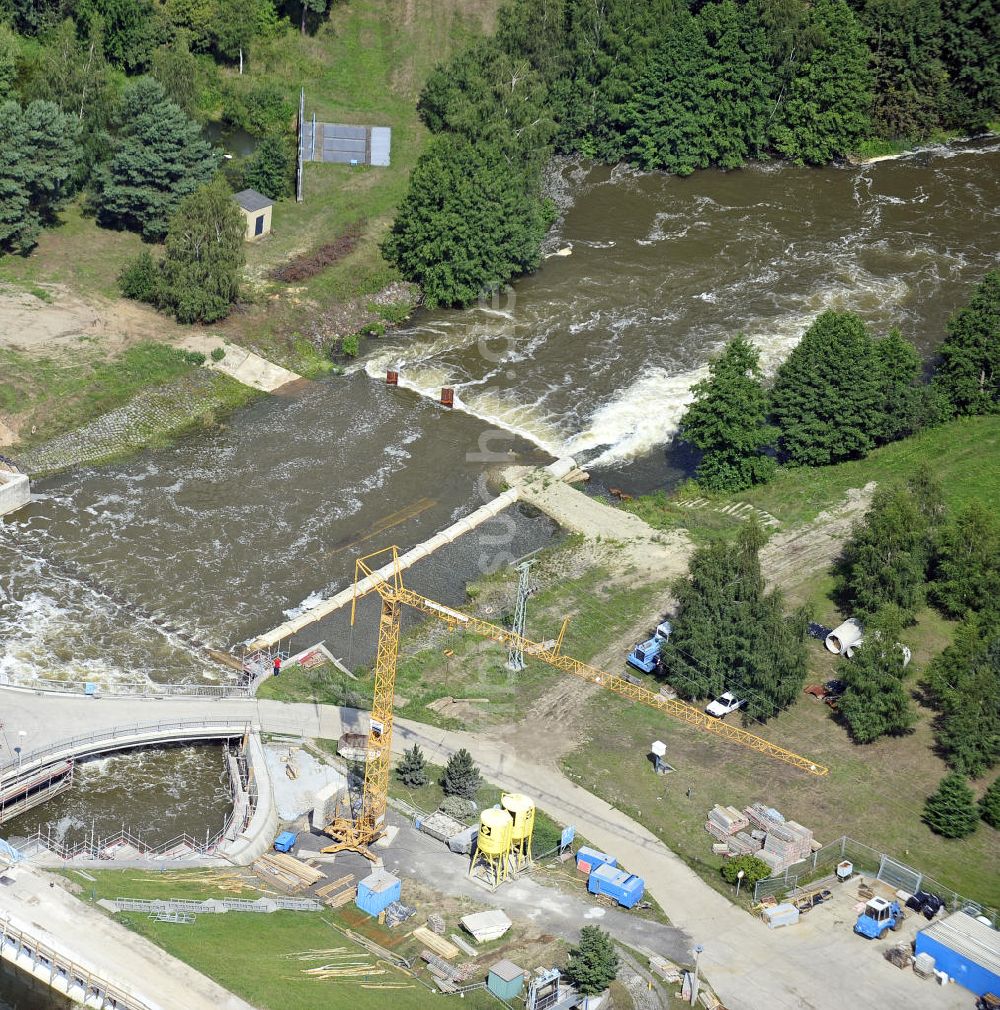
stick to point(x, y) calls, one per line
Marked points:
point(340, 899)
point(336, 885)
point(438, 944)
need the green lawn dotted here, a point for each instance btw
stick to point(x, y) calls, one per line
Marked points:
point(253, 955)
point(48, 396)
point(964, 456)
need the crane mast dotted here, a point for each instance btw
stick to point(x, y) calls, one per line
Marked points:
point(356, 829)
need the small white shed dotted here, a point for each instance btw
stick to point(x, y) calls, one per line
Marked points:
point(257, 210)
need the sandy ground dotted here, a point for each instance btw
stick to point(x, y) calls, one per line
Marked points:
point(44, 328)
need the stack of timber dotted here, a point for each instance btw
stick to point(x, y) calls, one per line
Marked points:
point(437, 944)
point(667, 970)
point(344, 887)
point(285, 872)
point(724, 822)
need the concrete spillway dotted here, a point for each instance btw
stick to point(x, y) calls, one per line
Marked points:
point(558, 470)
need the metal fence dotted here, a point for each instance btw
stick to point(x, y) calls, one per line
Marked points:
point(143, 689)
point(873, 863)
point(217, 905)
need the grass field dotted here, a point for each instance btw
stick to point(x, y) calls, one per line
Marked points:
point(253, 955)
point(51, 395)
point(964, 456)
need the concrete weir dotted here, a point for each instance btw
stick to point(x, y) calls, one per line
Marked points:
point(559, 470)
point(15, 491)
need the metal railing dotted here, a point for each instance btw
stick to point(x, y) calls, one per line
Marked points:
point(212, 905)
point(871, 862)
point(64, 968)
point(144, 689)
point(91, 743)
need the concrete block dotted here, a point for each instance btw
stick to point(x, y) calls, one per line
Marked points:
point(15, 491)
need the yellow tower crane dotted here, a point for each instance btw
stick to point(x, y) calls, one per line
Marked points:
point(357, 829)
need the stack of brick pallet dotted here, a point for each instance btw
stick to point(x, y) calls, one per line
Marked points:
point(786, 844)
point(724, 822)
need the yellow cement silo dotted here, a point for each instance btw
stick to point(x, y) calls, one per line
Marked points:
point(522, 812)
point(492, 852)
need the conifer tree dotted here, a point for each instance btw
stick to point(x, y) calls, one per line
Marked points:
point(875, 701)
point(989, 805)
point(951, 811)
point(899, 367)
point(461, 776)
point(158, 158)
point(593, 962)
point(271, 168)
point(826, 396)
point(412, 768)
point(728, 421)
point(969, 370)
point(37, 159)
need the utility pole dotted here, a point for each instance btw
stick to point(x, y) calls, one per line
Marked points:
point(302, 142)
point(694, 983)
point(515, 655)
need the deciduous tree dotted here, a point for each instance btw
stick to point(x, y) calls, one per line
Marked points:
point(875, 701)
point(826, 396)
point(470, 221)
point(967, 565)
point(728, 421)
point(885, 561)
point(204, 255)
point(902, 400)
point(963, 684)
point(158, 158)
point(951, 811)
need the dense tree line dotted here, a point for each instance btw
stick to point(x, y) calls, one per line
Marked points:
point(108, 98)
point(838, 395)
point(731, 634)
point(682, 85)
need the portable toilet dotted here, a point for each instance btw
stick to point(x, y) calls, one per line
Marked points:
point(587, 859)
point(505, 980)
point(377, 891)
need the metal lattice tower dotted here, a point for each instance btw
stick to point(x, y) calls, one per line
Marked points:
point(515, 655)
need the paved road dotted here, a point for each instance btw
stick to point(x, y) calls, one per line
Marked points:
point(815, 966)
point(111, 951)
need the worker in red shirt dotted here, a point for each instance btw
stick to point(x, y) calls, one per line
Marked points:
point(277, 665)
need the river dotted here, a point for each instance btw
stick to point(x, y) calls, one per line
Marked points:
point(228, 531)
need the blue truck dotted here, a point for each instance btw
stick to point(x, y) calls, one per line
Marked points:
point(646, 655)
point(878, 918)
point(623, 888)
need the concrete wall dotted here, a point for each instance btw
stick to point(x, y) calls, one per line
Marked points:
point(15, 491)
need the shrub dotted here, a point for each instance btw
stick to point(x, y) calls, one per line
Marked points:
point(754, 869)
point(455, 806)
point(139, 278)
point(350, 345)
point(374, 330)
point(218, 353)
point(194, 357)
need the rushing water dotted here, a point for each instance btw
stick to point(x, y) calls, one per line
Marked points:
point(229, 531)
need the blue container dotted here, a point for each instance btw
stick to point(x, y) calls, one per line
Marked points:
point(285, 842)
point(968, 950)
point(377, 891)
point(588, 859)
point(624, 888)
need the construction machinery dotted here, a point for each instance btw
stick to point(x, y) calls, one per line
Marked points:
point(878, 918)
point(356, 826)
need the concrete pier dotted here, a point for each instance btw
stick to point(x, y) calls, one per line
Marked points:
point(15, 491)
